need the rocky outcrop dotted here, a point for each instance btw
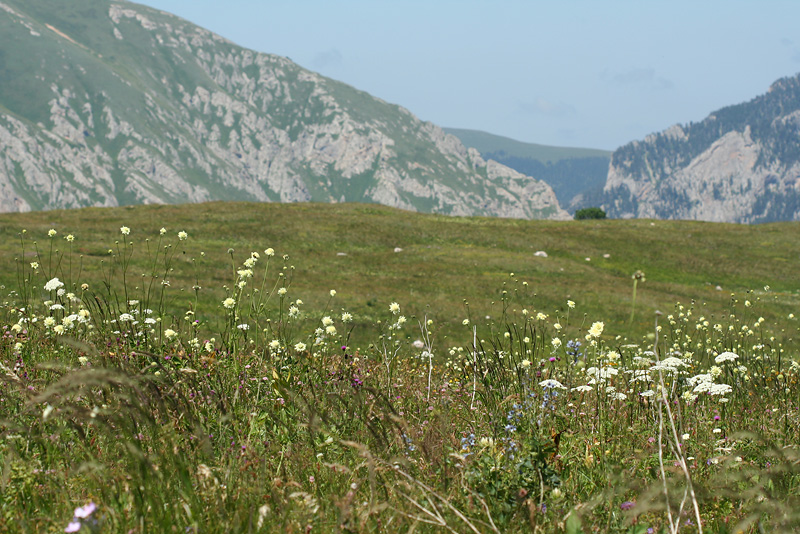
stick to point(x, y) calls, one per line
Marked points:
point(741, 164)
point(143, 107)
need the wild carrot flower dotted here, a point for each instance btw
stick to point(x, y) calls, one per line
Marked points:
point(726, 357)
point(53, 285)
point(551, 384)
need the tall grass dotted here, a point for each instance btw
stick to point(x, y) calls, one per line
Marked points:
point(256, 412)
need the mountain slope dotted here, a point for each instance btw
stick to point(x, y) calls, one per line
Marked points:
point(576, 175)
point(112, 103)
point(740, 164)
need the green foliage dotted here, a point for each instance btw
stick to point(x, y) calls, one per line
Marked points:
point(590, 213)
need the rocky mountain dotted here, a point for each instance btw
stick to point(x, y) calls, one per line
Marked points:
point(740, 164)
point(106, 103)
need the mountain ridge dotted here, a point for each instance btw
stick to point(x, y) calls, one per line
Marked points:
point(117, 103)
point(739, 164)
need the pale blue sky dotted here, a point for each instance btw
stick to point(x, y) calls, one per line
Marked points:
point(580, 73)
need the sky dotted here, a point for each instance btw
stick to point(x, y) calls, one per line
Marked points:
point(584, 73)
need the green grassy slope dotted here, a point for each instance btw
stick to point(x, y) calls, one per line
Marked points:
point(443, 261)
point(490, 143)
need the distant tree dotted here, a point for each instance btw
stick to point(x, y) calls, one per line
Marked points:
point(589, 213)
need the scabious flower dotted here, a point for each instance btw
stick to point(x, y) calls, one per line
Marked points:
point(162, 231)
point(300, 347)
point(51, 233)
point(282, 291)
point(347, 317)
point(229, 303)
point(269, 252)
point(570, 304)
point(394, 308)
point(333, 292)
point(555, 342)
point(169, 333)
point(182, 235)
point(596, 329)
point(81, 512)
point(124, 230)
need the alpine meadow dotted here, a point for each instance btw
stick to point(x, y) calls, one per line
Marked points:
point(424, 373)
point(237, 295)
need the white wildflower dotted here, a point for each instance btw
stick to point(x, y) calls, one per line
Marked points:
point(53, 285)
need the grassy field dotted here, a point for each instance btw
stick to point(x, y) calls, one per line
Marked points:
point(373, 370)
point(444, 260)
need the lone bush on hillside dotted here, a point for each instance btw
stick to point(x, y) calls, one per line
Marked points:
point(589, 213)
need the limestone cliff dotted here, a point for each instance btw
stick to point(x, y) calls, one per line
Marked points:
point(741, 164)
point(115, 103)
